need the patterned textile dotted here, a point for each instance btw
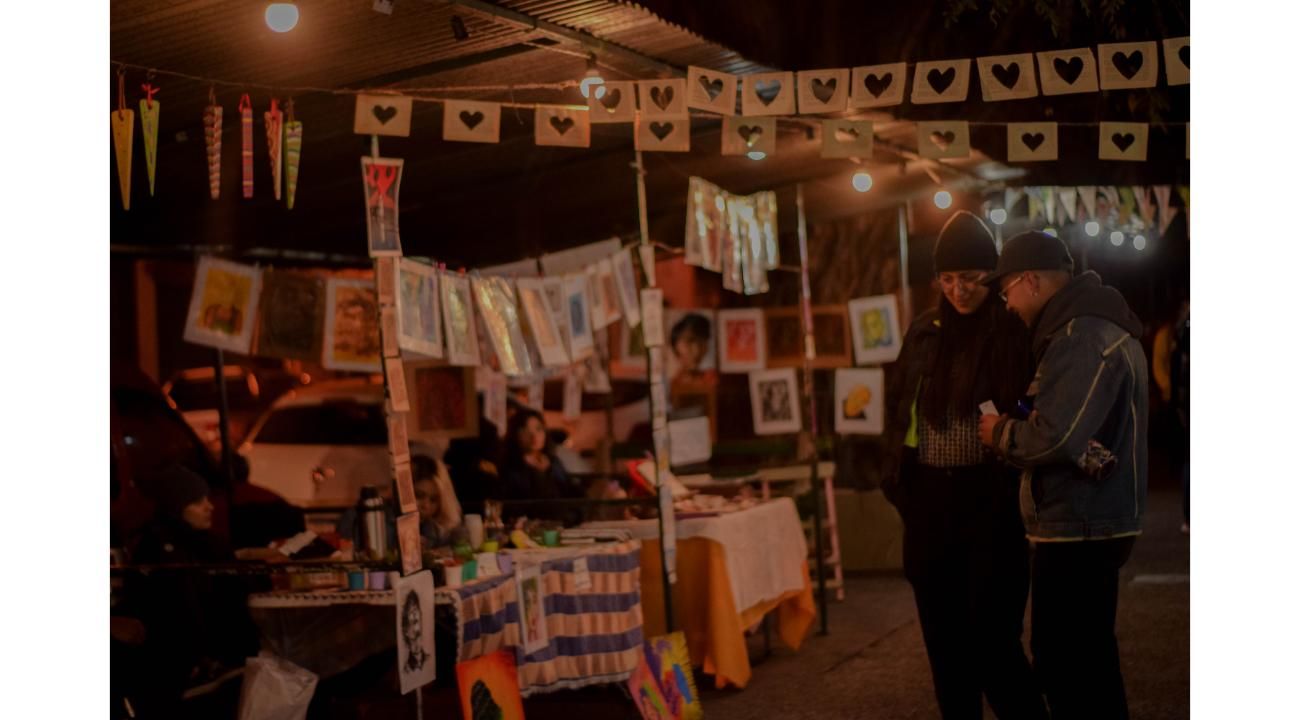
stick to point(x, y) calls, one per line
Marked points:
point(954, 446)
point(594, 634)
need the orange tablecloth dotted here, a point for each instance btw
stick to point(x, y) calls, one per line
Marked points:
point(705, 610)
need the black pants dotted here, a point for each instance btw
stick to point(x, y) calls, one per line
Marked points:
point(965, 553)
point(1076, 656)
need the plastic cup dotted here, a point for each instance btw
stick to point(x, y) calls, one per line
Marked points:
point(474, 525)
point(379, 580)
point(551, 538)
point(356, 580)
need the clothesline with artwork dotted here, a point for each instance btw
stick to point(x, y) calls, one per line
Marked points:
point(660, 109)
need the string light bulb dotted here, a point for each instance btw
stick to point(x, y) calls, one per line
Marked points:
point(1139, 242)
point(757, 155)
point(1117, 238)
point(282, 16)
point(592, 84)
point(1093, 228)
point(943, 200)
point(861, 181)
point(998, 216)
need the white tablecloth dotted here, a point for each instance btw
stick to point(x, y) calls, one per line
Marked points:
point(764, 546)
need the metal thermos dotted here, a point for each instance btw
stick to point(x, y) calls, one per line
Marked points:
point(374, 528)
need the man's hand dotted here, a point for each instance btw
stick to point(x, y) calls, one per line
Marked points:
point(987, 423)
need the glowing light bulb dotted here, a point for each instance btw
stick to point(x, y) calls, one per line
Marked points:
point(1139, 242)
point(861, 181)
point(282, 17)
point(943, 200)
point(592, 87)
point(998, 216)
point(1093, 228)
point(1117, 238)
point(757, 155)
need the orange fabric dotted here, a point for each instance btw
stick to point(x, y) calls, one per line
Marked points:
point(705, 610)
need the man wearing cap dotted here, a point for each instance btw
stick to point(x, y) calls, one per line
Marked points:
point(1080, 437)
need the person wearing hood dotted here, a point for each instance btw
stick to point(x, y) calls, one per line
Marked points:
point(1081, 440)
point(964, 547)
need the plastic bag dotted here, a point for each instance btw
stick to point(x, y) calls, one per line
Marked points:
point(275, 689)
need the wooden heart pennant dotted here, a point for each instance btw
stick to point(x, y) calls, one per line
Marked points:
point(768, 94)
point(617, 105)
point(710, 90)
point(1127, 65)
point(847, 139)
point(1178, 61)
point(469, 121)
point(1007, 77)
point(743, 135)
point(382, 115)
point(1122, 141)
point(662, 98)
point(877, 85)
point(1063, 72)
point(947, 139)
point(663, 134)
point(823, 91)
point(940, 81)
point(1031, 142)
point(561, 127)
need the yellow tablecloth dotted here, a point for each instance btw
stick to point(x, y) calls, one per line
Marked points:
point(704, 608)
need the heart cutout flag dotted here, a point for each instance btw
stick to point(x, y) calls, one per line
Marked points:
point(1178, 60)
point(661, 130)
point(847, 139)
point(1008, 75)
point(1185, 54)
point(664, 134)
point(743, 135)
point(384, 113)
point(472, 121)
point(561, 125)
point(388, 115)
point(712, 87)
point(941, 81)
point(846, 135)
point(877, 84)
point(949, 139)
point(1127, 65)
point(767, 91)
point(663, 97)
point(617, 105)
point(1122, 141)
point(710, 90)
point(750, 134)
point(768, 94)
point(611, 99)
point(823, 90)
point(1031, 142)
point(943, 139)
point(1066, 72)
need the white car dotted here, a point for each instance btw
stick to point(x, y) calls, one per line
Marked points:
point(319, 444)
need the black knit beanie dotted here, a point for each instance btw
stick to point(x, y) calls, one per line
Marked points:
point(176, 488)
point(965, 243)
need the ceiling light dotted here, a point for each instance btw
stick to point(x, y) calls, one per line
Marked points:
point(1092, 228)
point(1117, 238)
point(757, 155)
point(998, 216)
point(282, 16)
point(592, 84)
point(943, 200)
point(861, 181)
point(1139, 242)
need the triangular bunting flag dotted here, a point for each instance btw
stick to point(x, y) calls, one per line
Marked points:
point(1163, 196)
point(1035, 203)
point(1127, 204)
point(1145, 207)
point(1112, 198)
point(274, 120)
point(1049, 204)
point(1013, 196)
point(1088, 194)
point(1069, 202)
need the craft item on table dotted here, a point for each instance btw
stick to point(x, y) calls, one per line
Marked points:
point(860, 401)
point(550, 342)
point(578, 303)
point(644, 688)
point(246, 143)
point(396, 378)
point(689, 441)
point(1031, 142)
point(1126, 66)
point(848, 139)
point(947, 139)
point(662, 98)
point(442, 400)
point(489, 687)
point(1178, 60)
point(291, 314)
point(769, 93)
point(351, 326)
point(1122, 141)
point(382, 115)
point(745, 135)
point(878, 85)
point(1062, 72)
point(572, 395)
point(292, 155)
point(495, 299)
point(691, 341)
point(706, 224)
point(398, 441)
point(670, 662)
point(415, 652)
point(405, 483)
point(459, 325)
point(743, 346)
point(386, 279)
point(468, 121)
point(617, 105)
point(223, 305)
point(149, 111)
point(607, 291)
point(941, 81)
point(646, 254)
point(625, 284)
point(831, 338)
point(382, 182)
point(652, 313)
point(408, 540)
point(558, 126)
point(388, 331)
point(671, 133)
point(823, 91)
point(557, 305)
point(123, 123)
point(532, 609)
point(419, 311)
point(212, 143)
point(274, 121)
point(710, 90)
point(1007, 77)
point(876, 335)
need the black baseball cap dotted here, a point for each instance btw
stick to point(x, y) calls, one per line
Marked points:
point(1029, 251)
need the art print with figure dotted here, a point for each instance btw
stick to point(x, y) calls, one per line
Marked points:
point(223, 306)
point(419, 310)
point(458, 319)
point(532, 611)
point(489, 687)
point(382, 181)
point(351, 326)
point(875, 326)
point(291, 313)
point(741, 340)
point(774, 400)
point(670, 662)
point(415, 655)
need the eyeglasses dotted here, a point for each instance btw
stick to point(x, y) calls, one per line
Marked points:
point(968, 280)
point(1007, 289)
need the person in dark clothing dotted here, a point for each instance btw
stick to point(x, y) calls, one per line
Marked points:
point(533, 472)
point(1083, 450)
point(964, 547)
point(475, 464)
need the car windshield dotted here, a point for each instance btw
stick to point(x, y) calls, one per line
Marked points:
point(343, 422)
point(203, 394)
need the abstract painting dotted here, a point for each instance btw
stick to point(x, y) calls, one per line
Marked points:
point(442, 398)
point(489, 687)
point(876, 335)
point(860, 401)
point(742, 345)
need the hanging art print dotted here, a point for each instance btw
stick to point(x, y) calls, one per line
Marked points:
point(351, 326)
point(875, 326)
point(741, 342)
point(223, 305)
point(670, 663)
point(415, 652)
point(860, 401)
point(419, 312)
point(442, 401)
point(550, 344)
point(291, 314)
point(578, 302)
point(774, 400)
point(382, 180)
point(461, 330)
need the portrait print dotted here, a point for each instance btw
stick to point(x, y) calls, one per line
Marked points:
point(352, 326)
point(292, 313)
point(876, 335)
point(775, 401)
point(415, 654)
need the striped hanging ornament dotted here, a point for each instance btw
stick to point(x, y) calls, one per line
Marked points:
point(212, 140)
point(274, 120)
point(246, 149)
point(149, 109)
point(123, 119)
point(292, 153)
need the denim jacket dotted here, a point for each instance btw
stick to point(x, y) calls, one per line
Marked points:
point(1090, 389)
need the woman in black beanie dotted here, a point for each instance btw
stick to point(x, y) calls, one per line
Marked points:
point(964, 547)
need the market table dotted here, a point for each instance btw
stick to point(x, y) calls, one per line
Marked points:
point(732, 569)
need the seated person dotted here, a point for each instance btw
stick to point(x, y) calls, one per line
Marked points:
point(439, 509)
point(532, 471)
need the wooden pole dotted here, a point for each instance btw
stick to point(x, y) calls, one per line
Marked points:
point(810, 351)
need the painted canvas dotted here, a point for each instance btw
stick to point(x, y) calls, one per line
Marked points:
point(291, 313)
point(876, 334)
point(644, 687)
point(489, 687)
point(495, 299)
point(532, 301)
point(351, 326)
point(223, 305)
point(557, 306)
point(442, 400)
point(382, 181)
point(830, 337)
point(670, 662)
point(532, 611)
point(691, 340)
point(774, 400)
point(581, 341)
point(419, 312)
point(414, 605)
point(742, 346)
point(458, 320)
point(860, 401)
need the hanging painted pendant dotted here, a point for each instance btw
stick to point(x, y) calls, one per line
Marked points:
point(292, 153)
point(246, 148)
point(123, 126)
point(274, 120)
point(149, 109)
point(212, 140)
